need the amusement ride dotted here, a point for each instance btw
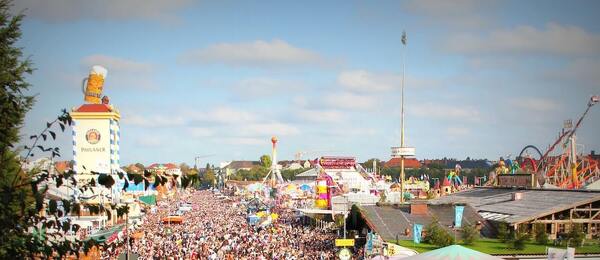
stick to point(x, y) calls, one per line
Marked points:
point(560, 165)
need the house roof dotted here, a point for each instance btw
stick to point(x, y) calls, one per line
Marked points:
point(94, 108)
point(408, 163)
point(161, 165)
point(390, 221)
point(497, 203)
point(312, 172)
point(242, 164)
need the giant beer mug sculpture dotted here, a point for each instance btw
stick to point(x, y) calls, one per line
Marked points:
point(93, 84)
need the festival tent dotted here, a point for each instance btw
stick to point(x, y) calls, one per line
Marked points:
point(150, 199)
point(107, 235)
point(453, 252)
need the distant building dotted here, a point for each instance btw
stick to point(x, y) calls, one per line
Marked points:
point(409, 163)
point(293, 166)
point(167, 168)
point(241, 165)
point(464, 164)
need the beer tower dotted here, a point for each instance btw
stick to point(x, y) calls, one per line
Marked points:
point(95, 129)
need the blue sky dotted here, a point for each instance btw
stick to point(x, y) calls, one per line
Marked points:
point(483, 78)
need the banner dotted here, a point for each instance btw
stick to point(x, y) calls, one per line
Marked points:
point(369, 245)
point(458, 214)
point(417, 229)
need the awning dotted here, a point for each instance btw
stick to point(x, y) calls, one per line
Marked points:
point(172, 219)
point(150, 199)
point(104, 235)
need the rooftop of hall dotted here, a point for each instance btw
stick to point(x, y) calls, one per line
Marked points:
point(499, 204)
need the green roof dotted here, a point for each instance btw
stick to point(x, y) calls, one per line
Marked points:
point(150, 199)
point(102, 235)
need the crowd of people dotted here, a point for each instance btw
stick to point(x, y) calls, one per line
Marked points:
point(216, 228)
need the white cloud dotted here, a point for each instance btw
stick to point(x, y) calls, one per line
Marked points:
point(554, 39)
point(73, 10)
point(346, 100)
point(457, 131)
point(149, 141)
point(583, 72)
point(442, 111)
point(258, 87)
point(151, 120)
point(457, 13)
point(123, 72)
point(223, 115)
point(267, 129)
point(259, 53)
point(365, 81)
point(243, 141)
point(535, 104)
point(117, 64)
point(300, 101)
point(201, 132)
point(321, 115)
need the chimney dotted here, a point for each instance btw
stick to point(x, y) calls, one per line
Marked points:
point(517, 196)
point(418, 208)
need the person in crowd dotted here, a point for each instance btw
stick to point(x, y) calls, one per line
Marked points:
point(218, 229)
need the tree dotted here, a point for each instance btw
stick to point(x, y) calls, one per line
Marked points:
point(185, 169)
point(265, 161)
point(14, 104)
point(519, 237)
point(469, 234)
point(576, 235)
point(140, 166)
point(541, 237)
point(503, 233)
point(369, 163)
point(518, 240)
point(208, 178)
point(436, 235)
point(26, 232)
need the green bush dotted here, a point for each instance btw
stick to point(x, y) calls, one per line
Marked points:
point(469, 234)
point(436, 235)
point(541, 237)
point(518, 240)
point(576, 235)
point(503, 233)
point(519, 237)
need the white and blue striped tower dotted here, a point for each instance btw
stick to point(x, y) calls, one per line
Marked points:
point(96, 137)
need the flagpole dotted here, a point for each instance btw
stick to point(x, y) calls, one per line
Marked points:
point(402, 177)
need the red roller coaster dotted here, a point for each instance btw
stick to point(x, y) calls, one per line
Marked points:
point(566, 169)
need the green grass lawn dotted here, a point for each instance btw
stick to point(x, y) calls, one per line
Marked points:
point(495, 247)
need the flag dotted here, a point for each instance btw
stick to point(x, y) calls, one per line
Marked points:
point(417, 229)
point(369, 245)
point(458, 213)
point(404, 37)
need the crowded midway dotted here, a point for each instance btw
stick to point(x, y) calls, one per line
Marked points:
point(217, 228)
